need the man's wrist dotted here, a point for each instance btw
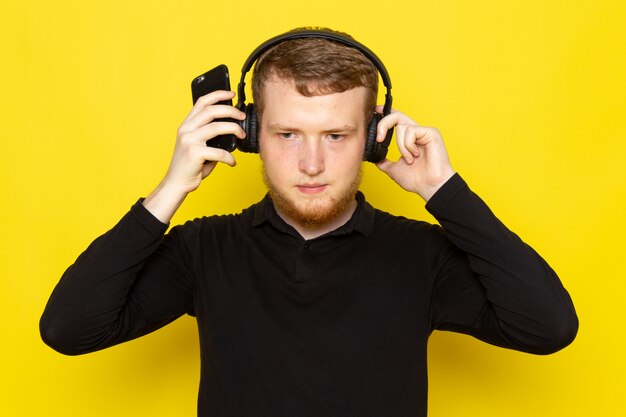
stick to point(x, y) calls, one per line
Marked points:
point(428, 192)
point(446, 195)
point(164, 201)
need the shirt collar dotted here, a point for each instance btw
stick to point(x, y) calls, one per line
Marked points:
point(362, 219)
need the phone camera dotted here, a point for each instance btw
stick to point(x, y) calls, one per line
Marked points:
point(199, 79)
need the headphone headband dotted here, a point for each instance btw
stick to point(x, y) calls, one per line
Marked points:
point(318, 33)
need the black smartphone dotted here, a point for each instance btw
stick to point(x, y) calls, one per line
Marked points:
point(215, 79)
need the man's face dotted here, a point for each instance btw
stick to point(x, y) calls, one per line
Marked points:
point(311, 148)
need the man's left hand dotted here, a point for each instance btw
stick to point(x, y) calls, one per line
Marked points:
point(424, 165)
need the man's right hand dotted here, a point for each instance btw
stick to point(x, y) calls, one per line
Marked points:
point(193, 160)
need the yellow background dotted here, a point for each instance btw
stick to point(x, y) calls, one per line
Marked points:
point(529, 96)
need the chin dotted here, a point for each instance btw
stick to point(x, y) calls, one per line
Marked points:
point(310, 211)
point(318, 212)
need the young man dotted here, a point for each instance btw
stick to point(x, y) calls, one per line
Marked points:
point(312, 302)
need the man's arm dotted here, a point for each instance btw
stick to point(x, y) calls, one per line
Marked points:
point(109, 296)
point(489, 283)
point(131, 280)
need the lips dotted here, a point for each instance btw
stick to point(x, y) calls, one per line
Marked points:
point(311, 188)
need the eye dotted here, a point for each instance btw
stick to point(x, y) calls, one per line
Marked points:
point(286, 135)
point(335, 137)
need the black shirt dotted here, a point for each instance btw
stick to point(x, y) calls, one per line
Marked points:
point(333, 326)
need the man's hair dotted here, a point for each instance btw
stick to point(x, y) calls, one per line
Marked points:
point(317, 66)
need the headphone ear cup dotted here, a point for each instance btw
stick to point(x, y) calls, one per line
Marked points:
point(372, 148)
point(376, 151)
point(250, 143)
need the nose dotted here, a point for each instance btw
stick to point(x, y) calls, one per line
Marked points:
point(311, 157)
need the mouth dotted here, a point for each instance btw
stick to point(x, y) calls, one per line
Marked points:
point(311, 188)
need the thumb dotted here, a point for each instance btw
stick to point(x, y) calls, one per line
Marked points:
point(385, 165)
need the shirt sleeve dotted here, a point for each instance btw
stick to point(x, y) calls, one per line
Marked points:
point(490, 284)
point(130, 281)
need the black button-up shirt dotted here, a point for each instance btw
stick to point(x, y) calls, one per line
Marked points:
point(335, 326)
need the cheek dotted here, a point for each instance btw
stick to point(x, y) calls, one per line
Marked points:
point(347, 158)
point(275, 163)
point(273, 155)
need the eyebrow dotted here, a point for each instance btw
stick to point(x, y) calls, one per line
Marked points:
point(285, 128)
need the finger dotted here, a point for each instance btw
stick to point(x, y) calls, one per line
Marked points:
point(210, 113)
point(223, 128)
point(211, 130)
point(389, 121)
point(414, 135)
point(385, 165)
point(402, 136)
point(208, 100)
point(216, 155)
point(207, 168)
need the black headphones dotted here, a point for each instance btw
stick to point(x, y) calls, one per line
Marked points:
point(374, 151)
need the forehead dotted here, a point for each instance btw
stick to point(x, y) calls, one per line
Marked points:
point(283, 103)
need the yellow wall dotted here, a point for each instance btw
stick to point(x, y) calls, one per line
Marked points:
point(529, 95)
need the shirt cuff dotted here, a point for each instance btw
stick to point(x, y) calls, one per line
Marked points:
point(146, 219)
point(446, 194)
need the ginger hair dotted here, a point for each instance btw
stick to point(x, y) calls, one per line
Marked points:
point(317, 66)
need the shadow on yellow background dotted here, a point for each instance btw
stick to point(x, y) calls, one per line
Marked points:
point(530, 99)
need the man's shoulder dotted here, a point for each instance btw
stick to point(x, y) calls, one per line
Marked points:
point(217, 223)
point(385, 219)
point(392, 227)
point(406, 234)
